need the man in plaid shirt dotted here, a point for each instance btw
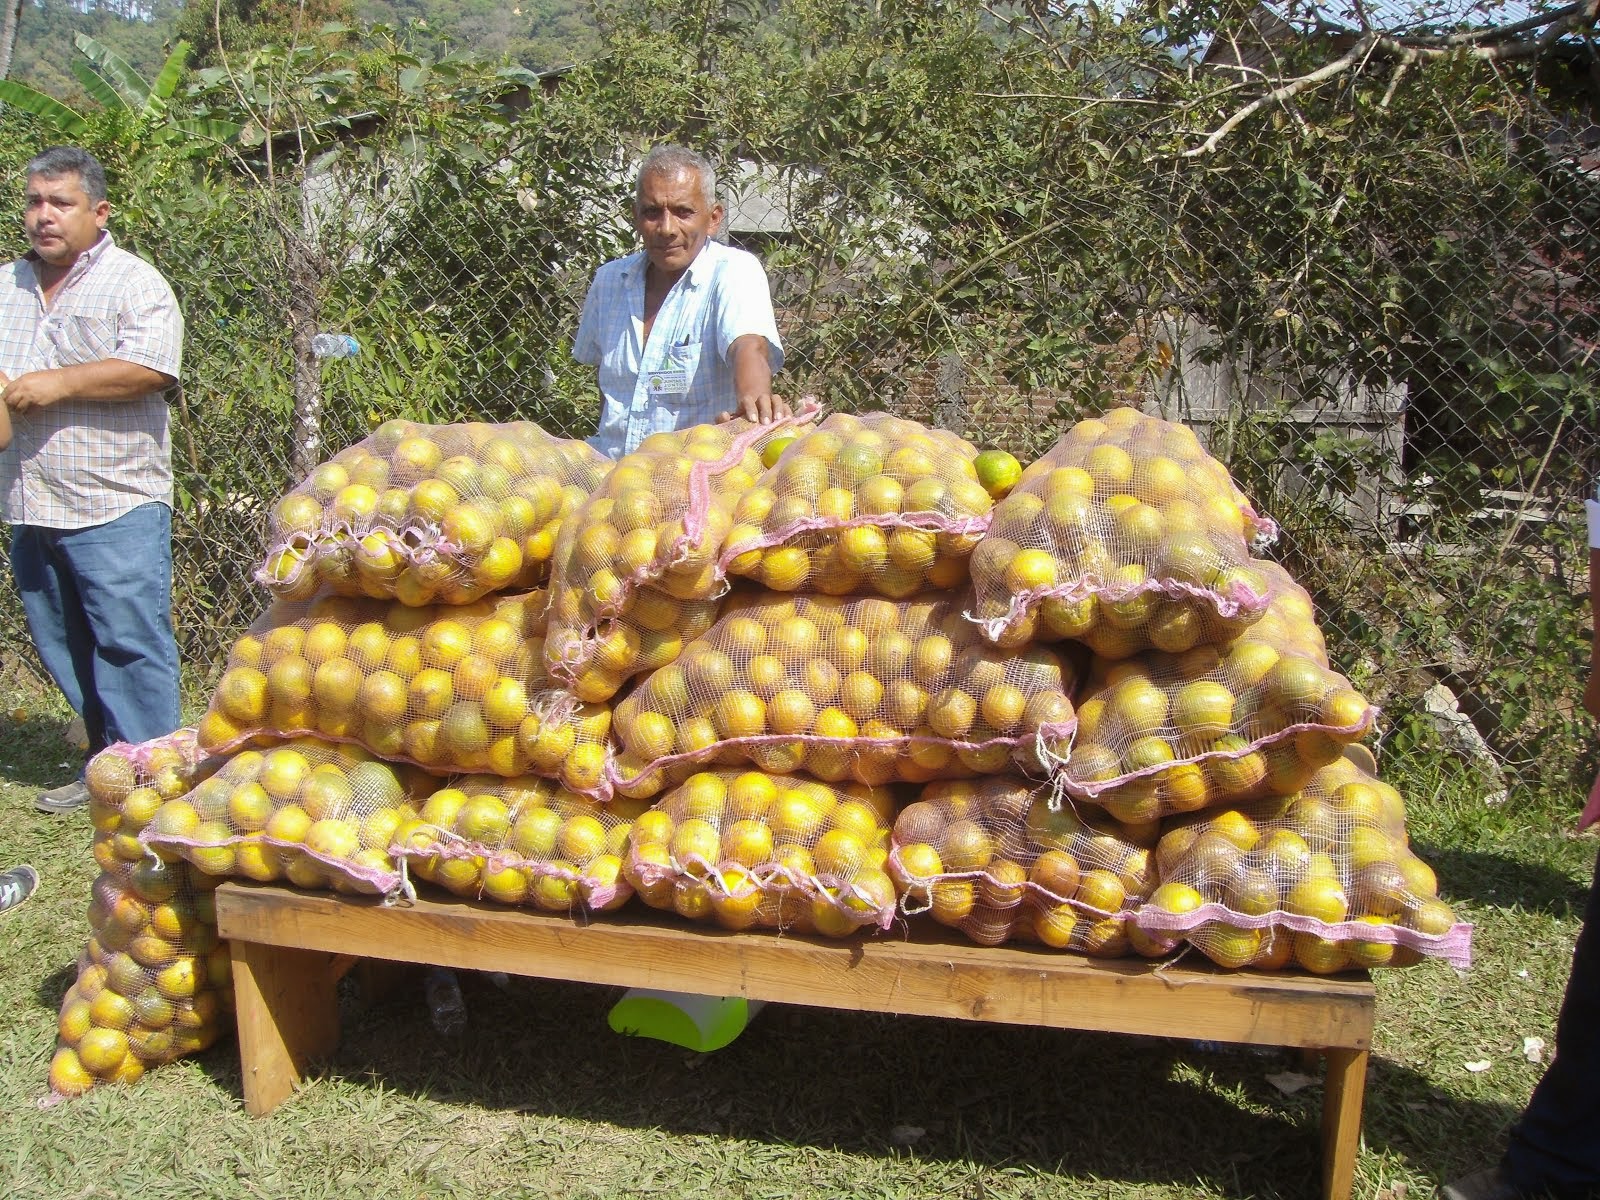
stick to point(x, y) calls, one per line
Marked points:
point(682, 331)
point(90, 342)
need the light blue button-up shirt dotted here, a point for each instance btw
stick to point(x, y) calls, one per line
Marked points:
point(683, 376)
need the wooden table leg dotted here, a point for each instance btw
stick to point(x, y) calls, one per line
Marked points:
point(1342, 1093)
point(287, 1008)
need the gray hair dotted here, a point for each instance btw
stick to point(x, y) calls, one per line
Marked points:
point(72, 160)
point(670, 160)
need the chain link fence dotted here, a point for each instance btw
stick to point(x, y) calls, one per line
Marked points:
point(1381, 315)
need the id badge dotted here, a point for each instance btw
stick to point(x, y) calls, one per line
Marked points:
point(669, 382)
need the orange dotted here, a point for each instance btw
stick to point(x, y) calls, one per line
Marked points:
point(860, 694)
point(1030, 570)
point(863, 548)
point(879, 495)
point(951, 713)
point(740, 714)
point(998, 471)
point(242, 694)
point(913, 549)
point(1203, 708)
point(1002, 707)
point(748, 842)
point(68, 1076)
point(839, 852)
point(784, 568)
point(444, 643)
point(506, 885)
point(112, 1010)
point(1110, 467)
point(774, 448)
point(288, 825)
point(584, 768)
point(289, 681)
point(74, 1020)
point(282, 772)
point(751, 795)
point(335, 685)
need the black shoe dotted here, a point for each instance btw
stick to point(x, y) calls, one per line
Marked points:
point(16, 885)
point(66, 798)
point(1485, 1185)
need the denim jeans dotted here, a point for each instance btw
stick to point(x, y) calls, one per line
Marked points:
point(99, 606)
point(1555, 1146)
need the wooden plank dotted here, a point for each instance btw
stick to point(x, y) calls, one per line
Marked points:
point(287, 1011)
point(931, 973)
point(1343, 1090)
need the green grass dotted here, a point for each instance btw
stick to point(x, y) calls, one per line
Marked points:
point(539, 1097)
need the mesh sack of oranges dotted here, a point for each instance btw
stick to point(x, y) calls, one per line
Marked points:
point(153, 982)
point(1324, 879)
point(636, 572)
point(989, 857)
point(129, 781)
point(594, 663)
point(1162, 733)
point(526, 841)
point(424, 513)
point(860, 505)
point(453, 688)
point(1126, 535)
point(869, 689)
point(318, 814)
point(746, 849)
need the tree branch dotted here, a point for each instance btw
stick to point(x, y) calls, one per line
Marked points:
point(1283, 92)
point(1483, 44)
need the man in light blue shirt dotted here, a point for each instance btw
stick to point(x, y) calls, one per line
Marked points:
point(682, 331)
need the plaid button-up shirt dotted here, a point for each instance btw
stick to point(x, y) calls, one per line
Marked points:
point(721, 297)
point(86, 462)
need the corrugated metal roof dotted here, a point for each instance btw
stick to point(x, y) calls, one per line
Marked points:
point(1408, 16)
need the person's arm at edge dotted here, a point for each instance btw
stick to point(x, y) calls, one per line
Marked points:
point(1591, 691)
point(5, 416)
point(752, 381)
point(1591, 688)
point(745, 305)
point(110, 379)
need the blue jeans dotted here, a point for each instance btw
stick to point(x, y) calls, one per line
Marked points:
point(1555, 1146)
point(99, 607)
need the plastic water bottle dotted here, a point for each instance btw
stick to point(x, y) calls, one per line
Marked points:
point(335, 345)
point(445, 1005)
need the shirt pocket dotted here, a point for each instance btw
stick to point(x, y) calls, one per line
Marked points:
point(80, 339)
point(683, 359)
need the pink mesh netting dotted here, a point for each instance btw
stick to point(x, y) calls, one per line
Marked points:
point(453, 688)
point(1161, 733)
point(744, 848)
point(869, 689)
point(1126, 535)
point(153, 981)
point(636, 572)
point(1323, 878)
point(423, 513)
point(874, 503)
point(318, 814)
point(990, 858)
point(526, 841)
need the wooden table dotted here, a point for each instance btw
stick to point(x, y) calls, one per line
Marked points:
point(288, 947)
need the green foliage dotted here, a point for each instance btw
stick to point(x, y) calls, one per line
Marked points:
point(46, 48)
point(235, 26)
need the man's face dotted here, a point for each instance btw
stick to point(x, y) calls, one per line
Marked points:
point(673, 218)
point(62, 222)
